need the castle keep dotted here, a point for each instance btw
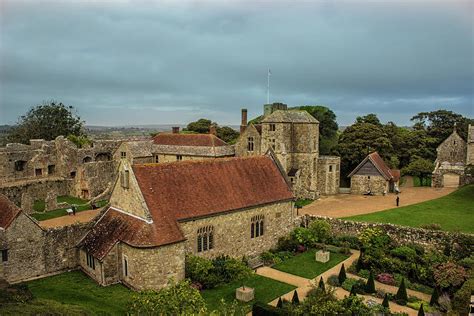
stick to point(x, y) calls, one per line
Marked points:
point(294, 138)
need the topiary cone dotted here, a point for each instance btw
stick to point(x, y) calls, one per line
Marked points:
point(353, 291)
point(342, 275)
point(280, 303)
point(295, 300)
point(421, 311)
point(402, 292)
point(434, 297)
point(370, 285)
point(321, 284)
point(385, 302)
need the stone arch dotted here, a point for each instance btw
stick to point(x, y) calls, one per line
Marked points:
point(87, 159)
point(103, 157)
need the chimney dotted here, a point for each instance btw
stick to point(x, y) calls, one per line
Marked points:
point(212, 129)
point(243, 124)
point(175, 129)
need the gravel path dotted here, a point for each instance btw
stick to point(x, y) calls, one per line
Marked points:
point(304, 285)
point(80, 217)
point(343, 205)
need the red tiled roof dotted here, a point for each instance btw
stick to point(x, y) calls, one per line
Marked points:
point(116, 226)
point(8, 211)
point(378, 162)
point(192, 189)
point(395, 174)
point(206, 140)
point(185, 190)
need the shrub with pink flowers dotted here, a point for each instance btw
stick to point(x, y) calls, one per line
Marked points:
point(449, 275)
point(386, 278)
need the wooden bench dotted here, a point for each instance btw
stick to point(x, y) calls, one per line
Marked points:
point(255, 262)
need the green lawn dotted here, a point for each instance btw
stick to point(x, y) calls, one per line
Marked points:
point(303, 202)
point(266, 290)
point(79, 291)
point(453, 212)
point(305, 265)
point(39, 205)
point(62, 211)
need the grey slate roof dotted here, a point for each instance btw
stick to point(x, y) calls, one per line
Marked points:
point(290, 116)
point(140, 148)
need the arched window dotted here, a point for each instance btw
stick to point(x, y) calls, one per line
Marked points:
point(205, 238)
point(256, 226)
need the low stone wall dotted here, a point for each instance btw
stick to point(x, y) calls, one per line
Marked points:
point(400, 234)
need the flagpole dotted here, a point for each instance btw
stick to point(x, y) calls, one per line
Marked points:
point(268, 86)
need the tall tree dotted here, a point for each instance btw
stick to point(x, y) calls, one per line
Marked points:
point(47, 121)
point(202, 126)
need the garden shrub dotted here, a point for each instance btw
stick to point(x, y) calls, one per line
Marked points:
point(321, 284)
point(467, 262)
point(295, 299)
point(421, 311)
point(357, 283)
point(279, 303)
point(333, 280)
point(404, 253)
point(434, 297)
point(342, 274)
point(385, 302)
point(462, 297)
point(364, 273)
point(321, 230)
point(262, 309)
point(370, 285)
point(286, 243)
point(268, 258)
point(401, 297)
point(351, 241)
point(444, 303)
point(449, 275)
point(431, 226)
point(303, 236)
point(16, 293)
point(386, 278)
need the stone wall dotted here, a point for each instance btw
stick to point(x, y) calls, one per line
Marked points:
point(328, 174)
point(34, 252)
point(400, 234)
point(152, 268)
point(241, 146)
point(361, 184)
point(470, 146)
point(452, 149)
point(232, 231)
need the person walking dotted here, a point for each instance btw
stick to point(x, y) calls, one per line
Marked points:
point(74, 210)
point(398, 200)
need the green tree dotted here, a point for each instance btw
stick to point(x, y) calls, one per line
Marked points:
point(370, 285)
point(200, 126)
point(178, 299)
point(440, 123)
point(385, 302)
point(342, 274)
point(420, 167)
point(321, 284)
point(46, 121)
point(402, 296)
point(227, 134)
point(295, 299)
point(321, 230)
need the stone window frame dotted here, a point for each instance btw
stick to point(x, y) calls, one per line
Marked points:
point(330, 168)
point(4, 255)
point(250, 144)
point(205, 239)
point(20, 165)
point(272, 127)
point(123, 155)
point(257, 224)
point(156, 159)
point(179, 157)
point(90, 260)
point(125, 266)
point(38, 172)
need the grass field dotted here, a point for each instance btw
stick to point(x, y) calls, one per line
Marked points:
point(62, 211)
point(266, 290)
point(305, 265)
point(39, 205)
point(79, 292)
point(453, 212)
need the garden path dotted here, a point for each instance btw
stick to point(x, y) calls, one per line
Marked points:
point(344, 205)
point(80, 217)
point(305, 285)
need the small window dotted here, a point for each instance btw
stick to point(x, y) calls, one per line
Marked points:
point(250, 144)
point(156, 159)
point(90, 261)
point(330, 168)
point(87, 159)
point(257, 226)
point(51, 169)
point(368, 177)
point(205, 238)
point(123, 154)
point(125, 179)
point(125, 266)
point(4, 255)
point(38, 172)
point(278, 215)
point(179, 157)
point(20, 165)
point(292, 180)
point(272, 127)
point(273, 143)
point(73, 174)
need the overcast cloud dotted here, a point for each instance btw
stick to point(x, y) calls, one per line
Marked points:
point(137, 62)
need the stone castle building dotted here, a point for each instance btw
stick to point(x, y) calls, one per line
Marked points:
point(168, 147)
point(160, 212)
point(373, 176)
point(30, 172)
point(294, 138)
point(453, 156)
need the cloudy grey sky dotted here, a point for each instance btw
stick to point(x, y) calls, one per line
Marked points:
point(157, 62)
